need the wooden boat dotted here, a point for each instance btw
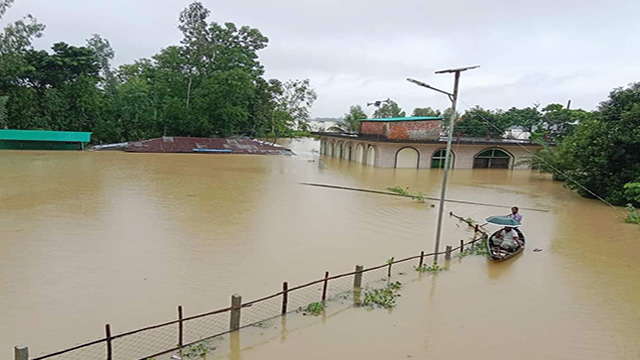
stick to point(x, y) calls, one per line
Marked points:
point(496, 253)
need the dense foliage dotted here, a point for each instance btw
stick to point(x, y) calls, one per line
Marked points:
point(211, 84)
point(606, 148)
point(390, 109)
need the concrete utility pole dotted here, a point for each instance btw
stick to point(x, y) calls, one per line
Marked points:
point(447, 160)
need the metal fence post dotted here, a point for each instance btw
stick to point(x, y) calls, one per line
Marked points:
point(389, 269)
point(107, 331)
point(324, 287)
point(421, 259)
point(236, 305)
point(447, 254)
point(21, 352)
point(461, 245)
point(357, 279)
point(180, 327)
point(285, 296)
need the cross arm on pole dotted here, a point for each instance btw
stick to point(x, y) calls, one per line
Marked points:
point(457, 69)
point(420, 83)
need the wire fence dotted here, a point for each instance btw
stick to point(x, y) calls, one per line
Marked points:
point(183, 332)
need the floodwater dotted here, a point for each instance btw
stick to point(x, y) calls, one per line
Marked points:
point(94, 238)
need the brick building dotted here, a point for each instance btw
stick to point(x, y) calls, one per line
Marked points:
point(407, 128)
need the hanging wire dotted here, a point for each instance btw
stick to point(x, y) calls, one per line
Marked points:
point(546, 163)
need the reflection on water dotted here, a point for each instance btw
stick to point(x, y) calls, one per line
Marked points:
point(90, 238)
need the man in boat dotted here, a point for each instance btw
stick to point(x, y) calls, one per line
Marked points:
point(515, 214)
point(507, 239)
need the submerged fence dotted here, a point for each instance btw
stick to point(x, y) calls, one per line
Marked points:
point(184, 331)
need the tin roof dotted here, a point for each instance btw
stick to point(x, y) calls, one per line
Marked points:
point(412, 118)
point(43, 135)
point(170, 144)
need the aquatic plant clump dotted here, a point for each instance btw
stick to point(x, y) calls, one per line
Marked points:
point(398, 190)
point(315, 309)
point(431, 269)
point(196, 351)
point(633, 215)
point(419, 197)
point(478, 248)
point(383, 298)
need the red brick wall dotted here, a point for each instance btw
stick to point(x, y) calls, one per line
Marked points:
point(404, 130)
point(372, 127)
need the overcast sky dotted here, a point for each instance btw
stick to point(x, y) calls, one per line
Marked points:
point(357, 51)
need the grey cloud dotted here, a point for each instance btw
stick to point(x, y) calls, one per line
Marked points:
point(357, 51)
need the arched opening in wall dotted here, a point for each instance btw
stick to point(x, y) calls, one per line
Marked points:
point(438, 159)
point(330, 149)
point(323, 147)
point(492, 159)
point(339, 150)
point(371, 155)
point(408, 158)
point(359, 153)
point(347, 151)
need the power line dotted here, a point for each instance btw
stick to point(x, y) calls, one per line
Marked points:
point(545, 162)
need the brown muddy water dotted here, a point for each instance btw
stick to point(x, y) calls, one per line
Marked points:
point(94, 238)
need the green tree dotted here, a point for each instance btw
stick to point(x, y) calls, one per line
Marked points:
point(390, 109)
point(559, 122)
point(104, 52)
point(552, 160)
point(606, 147)
point(426, 112)
point(4, 6)
point(293, 105)
point(632, 193)
point(528, 118)
point(478, 122)
point(353, 117)
point(3, 112)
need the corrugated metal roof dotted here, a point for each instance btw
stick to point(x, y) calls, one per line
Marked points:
point(203, 145)
point(412, 118)
point(42, 135)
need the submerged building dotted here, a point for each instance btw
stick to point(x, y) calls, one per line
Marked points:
point(419, 142)
point(43, 140)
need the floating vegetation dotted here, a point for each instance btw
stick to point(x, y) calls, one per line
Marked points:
point(478, 248)
point(433, 269)
point(470, 221)
point(315, 309)
point(400, 191)
point(633, 215)
point(263, 324)
point(383, 298)
point(419, 197)
point(196, 351)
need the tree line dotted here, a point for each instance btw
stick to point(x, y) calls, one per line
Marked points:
point(550, 123)
point(211, 84)
point(596, 153)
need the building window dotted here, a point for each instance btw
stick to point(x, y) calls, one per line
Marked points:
point(438, 159)
point(492, 159)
